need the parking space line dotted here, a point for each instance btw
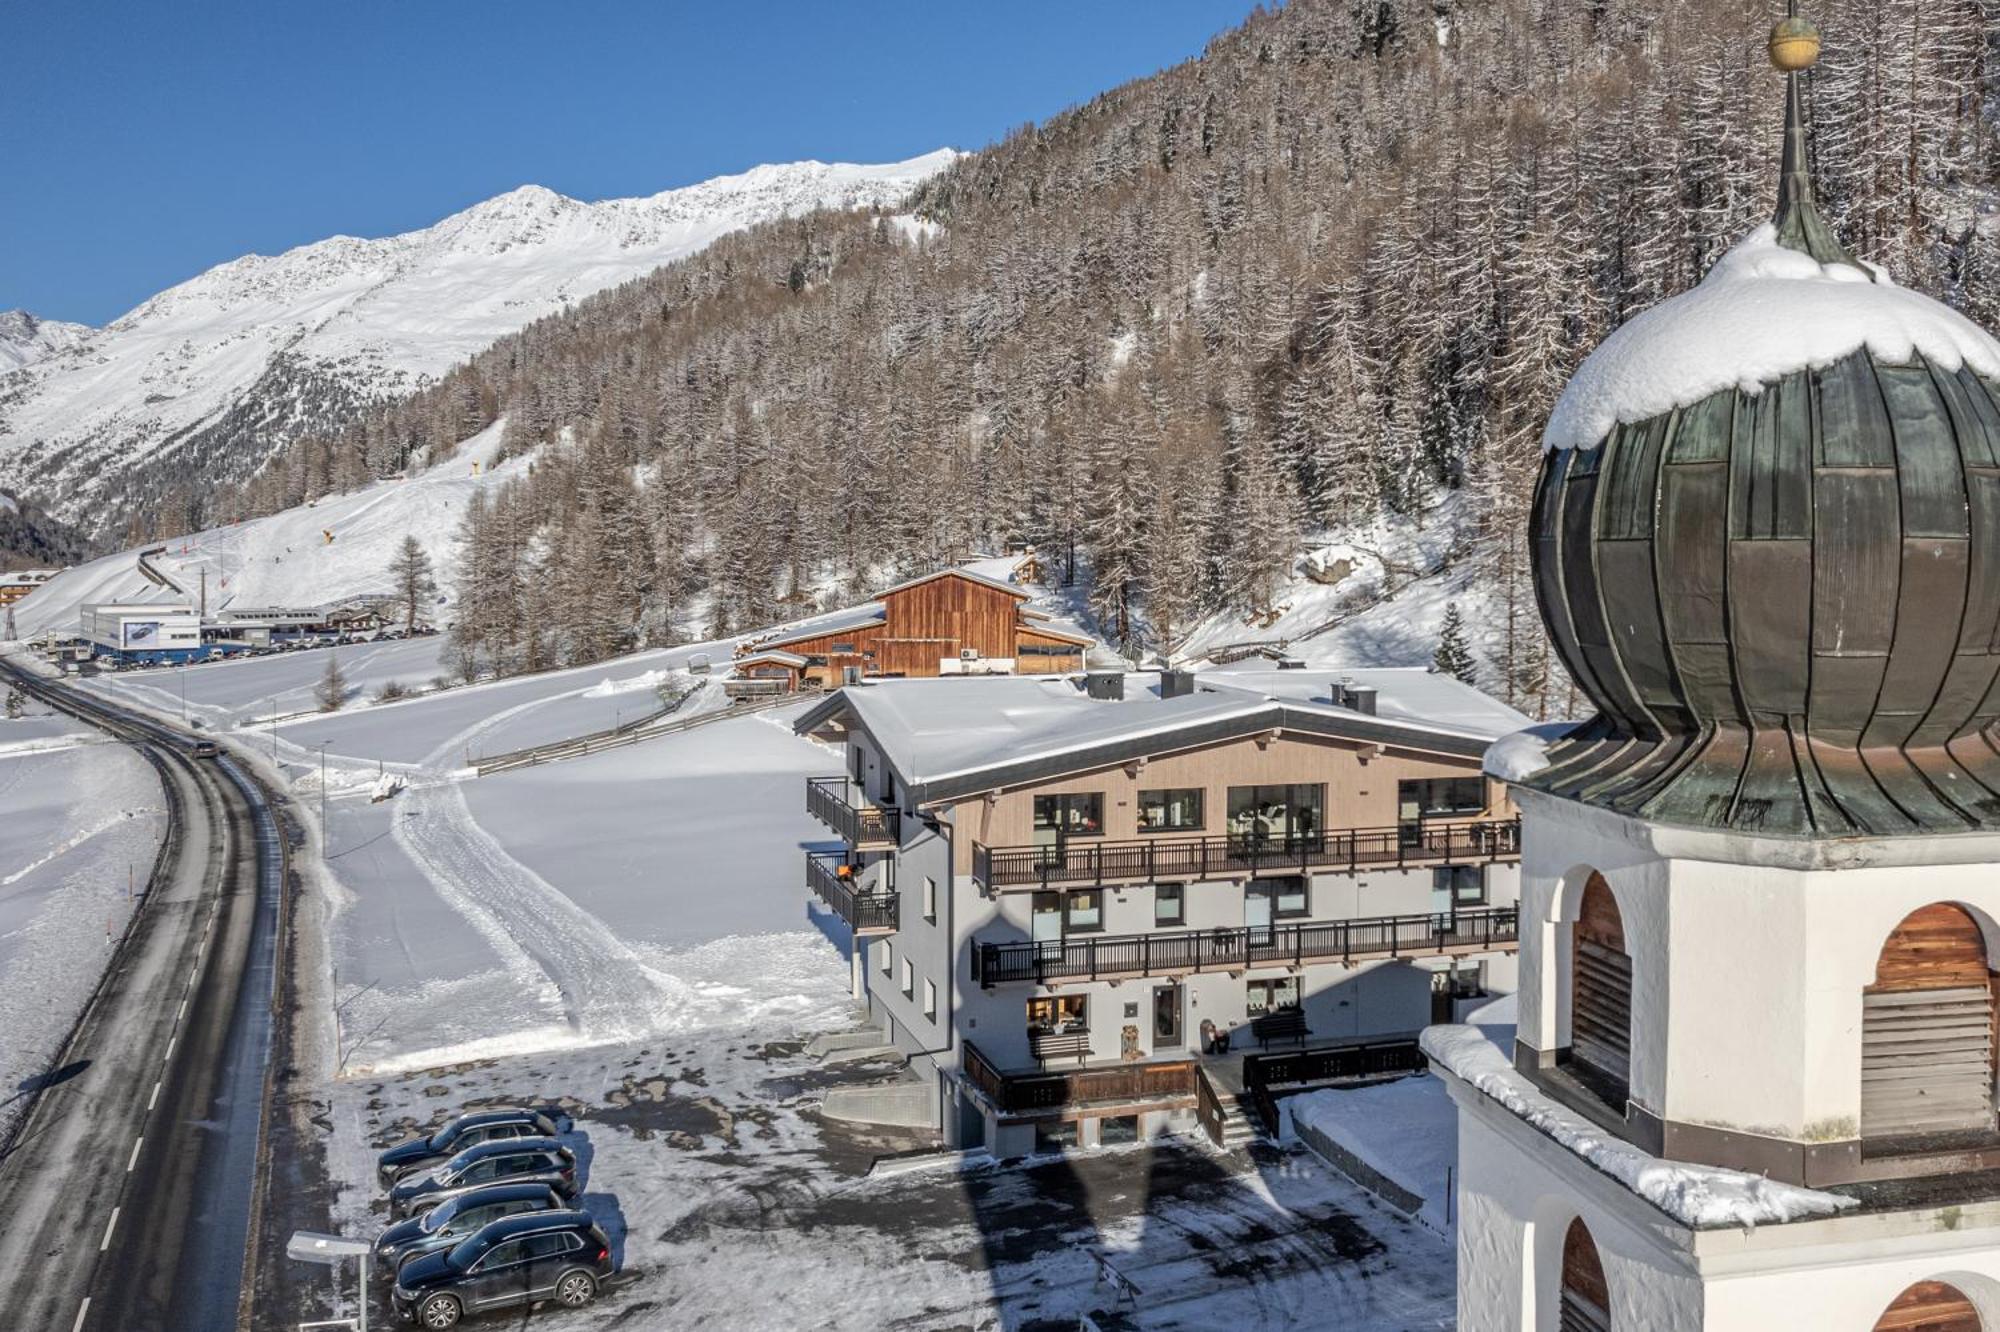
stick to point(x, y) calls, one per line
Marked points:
point(109, 1226)
point(136, 1144)
point(82, 1312)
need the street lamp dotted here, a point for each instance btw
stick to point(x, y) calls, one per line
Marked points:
point(306, 1246)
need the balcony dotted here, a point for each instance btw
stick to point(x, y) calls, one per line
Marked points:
point(1088, 862)
point(1183, 952)
point(1024, 1093)
point(839, 804)
point(865, 913)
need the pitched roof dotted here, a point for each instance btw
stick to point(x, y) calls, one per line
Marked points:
point(771, 654)
point(966, 574)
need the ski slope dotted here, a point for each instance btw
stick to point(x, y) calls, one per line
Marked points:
point(328, 551)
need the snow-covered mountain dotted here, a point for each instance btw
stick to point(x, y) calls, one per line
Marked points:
point(25, 338)
point(206, 379)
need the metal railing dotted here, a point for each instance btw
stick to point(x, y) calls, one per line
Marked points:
point(1013, 1093)
point(1179, 952)
point(1089, 861)
point(863, 911)
point(839, 804)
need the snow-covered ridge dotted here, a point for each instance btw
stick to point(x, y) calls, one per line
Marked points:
point(296, 338)
point(25, 338)
point(1764, 311)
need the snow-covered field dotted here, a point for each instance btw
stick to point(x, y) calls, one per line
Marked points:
point(80, 820)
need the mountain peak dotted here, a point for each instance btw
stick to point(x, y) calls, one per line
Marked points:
point(25, 337)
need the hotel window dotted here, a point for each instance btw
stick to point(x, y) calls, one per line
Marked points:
point(1059, 1012)
point(1432, 797)
point(930, 1000)
point(930, 899)
point(909, 980)
point(1169, 904)
point(1077, 814)
point(1268, 996)
point(1458, 885)
point(1083, 911)
point(1174, 810)
point(1277, 816)
point(888, 958)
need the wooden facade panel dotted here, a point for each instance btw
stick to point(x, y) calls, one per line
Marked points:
point(1358, 794)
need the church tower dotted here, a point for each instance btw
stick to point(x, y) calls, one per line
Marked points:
point(1752, 1085)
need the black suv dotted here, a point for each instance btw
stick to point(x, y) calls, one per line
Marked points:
point(460, 1218)
point(560, 1256)
point(520, 1161)
point(456, 1136)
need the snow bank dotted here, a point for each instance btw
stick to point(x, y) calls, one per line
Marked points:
point(1517, 757)
point(1763, 312)
point(1695, 1195)
point(630, 684)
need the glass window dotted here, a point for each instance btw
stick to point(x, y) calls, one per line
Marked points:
point(1268, 996)
point(843, 647)
point(909, 979)
point(1054, 1136)
point(930, 1000)
point(1083, 911)
point(1429, 797)
point(1169, 904)
point(888, 958)
point(1459, 885)
point(500, 1255)
point(544, 1246)
point(930, 899)
point(1117, 1130)
point(1277, 815)
point(1289, 897)
point(1076, 814)
point(1058, 1012)
point(1174, 810)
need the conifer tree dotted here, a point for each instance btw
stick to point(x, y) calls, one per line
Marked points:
point(1454, 653)
point(332, 689)
point(410, 574)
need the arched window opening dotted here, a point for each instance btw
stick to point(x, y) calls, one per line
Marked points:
point(1600, 1014)
point(1930, 1306)
point(1585, 1305)
point(1927, 1030)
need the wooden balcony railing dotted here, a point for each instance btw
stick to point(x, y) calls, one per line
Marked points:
point(1180, 952)
point(1087, 862)
point(839, 804)
point(1016, 1093)
point(864, 912)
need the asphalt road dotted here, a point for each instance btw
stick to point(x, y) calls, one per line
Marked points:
point(128, 1191)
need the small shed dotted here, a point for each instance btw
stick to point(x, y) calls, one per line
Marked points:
point(766, 672)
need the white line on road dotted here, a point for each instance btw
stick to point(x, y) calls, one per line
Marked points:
point(171, 1042)
point(136, 1143)
point(82, 1312)
point(109, 1226)
point(184, 1011)
point(154, 1098)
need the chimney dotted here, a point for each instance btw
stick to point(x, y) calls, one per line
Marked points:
point(1176, 684)
point(1361, 698)
point(1104, 684)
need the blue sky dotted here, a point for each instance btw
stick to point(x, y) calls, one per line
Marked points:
point(145, 140)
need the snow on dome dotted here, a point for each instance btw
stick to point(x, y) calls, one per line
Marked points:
point(1520, 755)
point(1763, 312)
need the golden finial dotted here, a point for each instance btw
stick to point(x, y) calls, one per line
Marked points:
point(1794, 43)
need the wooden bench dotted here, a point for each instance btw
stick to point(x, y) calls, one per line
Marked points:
point(1286, 1024)
point(1047, 1045)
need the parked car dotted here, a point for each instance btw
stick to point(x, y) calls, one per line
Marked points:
point(517, 1161)
point(460, 1218)
point(466, 1131)
point(560, 1256)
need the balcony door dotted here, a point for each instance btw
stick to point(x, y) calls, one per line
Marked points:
point(1168, 1004)
point(1276, 818)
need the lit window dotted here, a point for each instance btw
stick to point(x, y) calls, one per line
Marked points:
point(1175, 810)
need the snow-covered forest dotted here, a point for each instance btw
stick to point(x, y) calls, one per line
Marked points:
point(1341, 264)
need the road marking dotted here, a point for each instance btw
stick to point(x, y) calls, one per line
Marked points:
point(82, 1312)
point(184, 1011)
point(136, 1144)
point(171, 1042)
point(151, 1100)
point(109, 1226)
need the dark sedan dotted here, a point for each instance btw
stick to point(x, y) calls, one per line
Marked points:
point(456, 1136)
point(460, 1218)
point(520, 1161)
point(560, 1256)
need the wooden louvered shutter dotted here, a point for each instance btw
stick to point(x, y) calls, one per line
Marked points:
point(1601, 987)
point(1930, 1306)
point(1585, 1304)
point(1927, 1030)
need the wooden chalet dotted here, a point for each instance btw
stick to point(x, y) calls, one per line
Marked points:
point(953, 622)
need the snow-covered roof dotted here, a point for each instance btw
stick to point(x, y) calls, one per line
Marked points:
point(1763, 312)
point(782, 658)
point(1704, 1197)
point(946, 737)
point(958, 572)
point(854, 617)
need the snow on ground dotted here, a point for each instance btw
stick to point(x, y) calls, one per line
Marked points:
point(1407, 1130)
point(286, 559)
point(733, 1205)
point(80, 819)
point(248, 691)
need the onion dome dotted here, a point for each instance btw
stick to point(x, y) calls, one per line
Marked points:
point(1767, 544)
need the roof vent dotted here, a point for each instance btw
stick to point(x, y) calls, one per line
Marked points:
point(1290, 664)
point(1176, 684)
point(1104, 684)
point(1361, 698)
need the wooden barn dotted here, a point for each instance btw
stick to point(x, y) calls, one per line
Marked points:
point(953, 622)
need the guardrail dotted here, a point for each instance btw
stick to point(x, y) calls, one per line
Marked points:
point(865, 913)
point(1015, 1093)
point(1090, 861)
point(839, 804)
point(1182, 952)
